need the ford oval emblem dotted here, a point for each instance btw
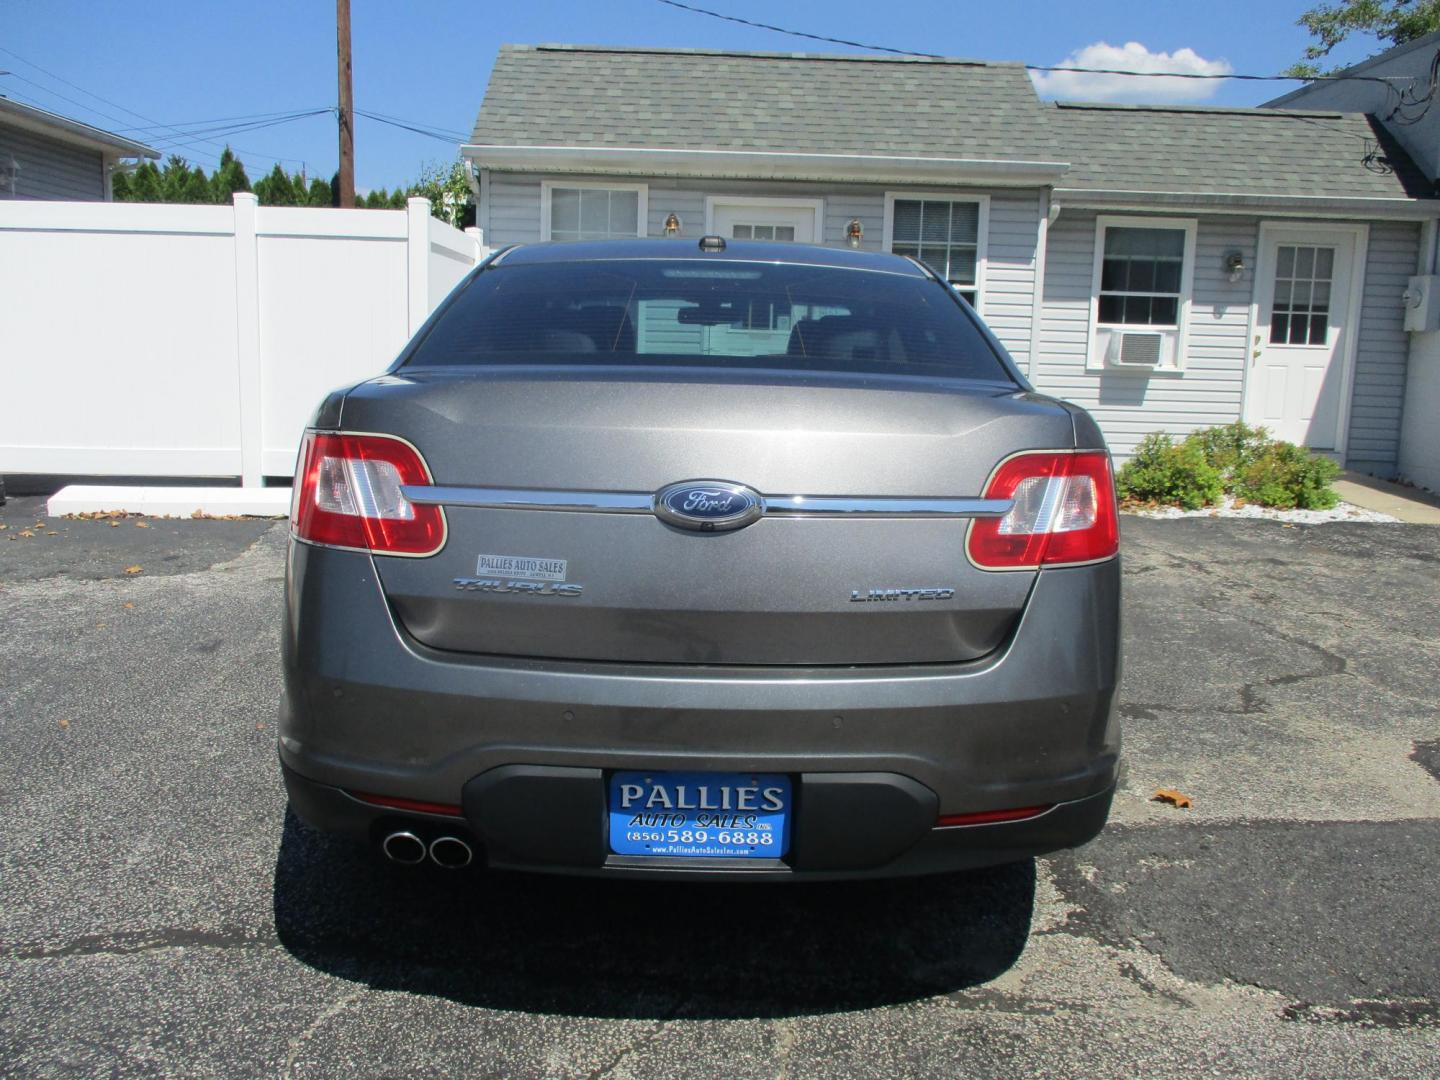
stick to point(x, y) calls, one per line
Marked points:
point(708, 505)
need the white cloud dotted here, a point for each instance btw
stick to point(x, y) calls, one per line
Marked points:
point(1132, 56)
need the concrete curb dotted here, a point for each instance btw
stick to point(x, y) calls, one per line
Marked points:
point(181, 502)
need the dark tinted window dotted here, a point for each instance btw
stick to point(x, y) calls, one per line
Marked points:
point(710, 314)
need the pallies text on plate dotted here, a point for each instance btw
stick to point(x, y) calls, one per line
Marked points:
point(703, 797)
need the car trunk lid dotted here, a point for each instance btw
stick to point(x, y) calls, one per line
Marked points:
point(579, 580)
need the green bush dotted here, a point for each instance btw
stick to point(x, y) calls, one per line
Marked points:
point(1233, 459)
point(1287, 476)
point(1233, 447)
point(1163, 471)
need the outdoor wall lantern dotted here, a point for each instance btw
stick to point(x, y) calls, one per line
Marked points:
point(854, 231)
point(1234, 265)
point(672, 224)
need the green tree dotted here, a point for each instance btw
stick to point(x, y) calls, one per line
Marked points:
point(144, 185)
point(276, 188)
point(1392, 22)
point(448, 189)
point(318, 193)
point(228, 178)
point(174, 179)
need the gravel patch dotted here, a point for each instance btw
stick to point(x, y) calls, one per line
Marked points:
point(1228, 509)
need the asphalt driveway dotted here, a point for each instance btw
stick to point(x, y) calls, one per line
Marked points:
point(161, 914)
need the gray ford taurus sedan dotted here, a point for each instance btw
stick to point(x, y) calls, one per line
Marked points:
point(741, 560)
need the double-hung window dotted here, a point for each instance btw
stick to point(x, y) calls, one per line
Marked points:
point(1140, 276)
point(946, 234)
point(1143, 268)
point(592, 211)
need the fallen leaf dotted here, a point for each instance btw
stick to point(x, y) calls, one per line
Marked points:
point(1173, 797)
point(129, 605)
point(3, 527)
point(113, 524)
point(259, 725)
point(141, 525)
point(26, 533)
point(64, 723)
point(134, 569)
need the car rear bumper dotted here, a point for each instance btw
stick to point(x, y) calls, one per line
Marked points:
point(886, 750)
point(548, 834)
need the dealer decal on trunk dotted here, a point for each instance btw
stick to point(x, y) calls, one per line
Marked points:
point(527, 575)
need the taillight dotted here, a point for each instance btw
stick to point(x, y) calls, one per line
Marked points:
point(347, 494)
point(1064, 512)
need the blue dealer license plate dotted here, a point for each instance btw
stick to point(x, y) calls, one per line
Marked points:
point(700, 815)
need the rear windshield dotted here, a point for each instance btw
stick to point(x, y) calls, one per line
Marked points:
point(690, 313)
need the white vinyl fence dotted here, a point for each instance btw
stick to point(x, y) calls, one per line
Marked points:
point(195, 341)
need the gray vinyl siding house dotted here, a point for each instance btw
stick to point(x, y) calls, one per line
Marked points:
point(1167, 268)
point(1415, 124)
point(47, 156)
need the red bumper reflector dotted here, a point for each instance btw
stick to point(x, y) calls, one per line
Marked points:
point(413, 805)
point(991, 817)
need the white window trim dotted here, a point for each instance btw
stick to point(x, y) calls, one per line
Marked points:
point(815, 206)
point(642, 210)
point(982, 229)
point(1096, 362)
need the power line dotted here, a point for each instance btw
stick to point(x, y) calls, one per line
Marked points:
point(214, 120)
point(1389, 82)
point(423, 124)
point(224, 130)
point(447, 138)
point(122, 108)
point(798, 33)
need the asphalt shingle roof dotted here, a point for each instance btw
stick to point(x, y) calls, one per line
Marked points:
point(693, 99)
point(1231, 151)
point(690, 99)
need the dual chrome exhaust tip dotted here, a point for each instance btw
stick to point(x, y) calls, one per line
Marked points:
point(408, 849)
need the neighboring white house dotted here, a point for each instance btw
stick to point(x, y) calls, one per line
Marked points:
point(1167, 267)
point(47, 156)
point(1405, 104)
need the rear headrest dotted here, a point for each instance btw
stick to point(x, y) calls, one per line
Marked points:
point(564, 341)
point(836, 337)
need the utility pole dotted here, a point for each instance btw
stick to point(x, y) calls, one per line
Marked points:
point(346, 111)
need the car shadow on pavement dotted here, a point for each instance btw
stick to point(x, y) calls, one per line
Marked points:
point(653, 950)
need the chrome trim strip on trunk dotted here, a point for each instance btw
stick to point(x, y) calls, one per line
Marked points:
point(590, 502)
point(631, 502)
point(827, 506)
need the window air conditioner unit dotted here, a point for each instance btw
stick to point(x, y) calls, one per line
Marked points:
point(1134, 349)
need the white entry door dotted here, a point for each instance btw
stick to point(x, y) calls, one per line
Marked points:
point(1298, 353)
point(781, 219)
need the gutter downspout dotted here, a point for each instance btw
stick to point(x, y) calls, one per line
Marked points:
point(477, 192)
point(1048, 212)
point(484, 206)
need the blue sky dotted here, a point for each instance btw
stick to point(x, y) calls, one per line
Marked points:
point(183, 63)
